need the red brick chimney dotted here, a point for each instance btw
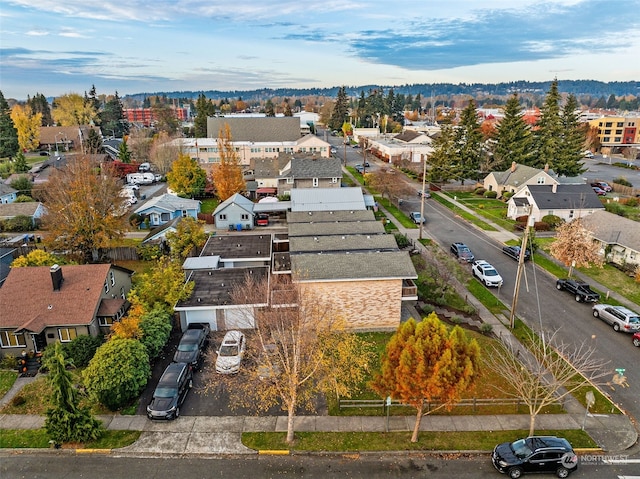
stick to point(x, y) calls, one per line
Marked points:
point(546, 167)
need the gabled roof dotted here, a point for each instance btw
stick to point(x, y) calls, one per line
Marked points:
point(161, 231)
point(613, 229)
point(265, 129)
point(237, 200)
point(28, 301)
point(10, 210)
point(565, 197)
point(313, 168)
point(327, 199)
point(269, 167)
point(521, 175)
point(6, 190)
point(352, 267)
point(169, 203)
point(408, 136)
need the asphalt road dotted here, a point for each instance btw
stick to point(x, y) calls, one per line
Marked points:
point(353, 466)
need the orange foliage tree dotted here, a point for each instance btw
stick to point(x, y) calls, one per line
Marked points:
point(575, 247)
point(227, 175)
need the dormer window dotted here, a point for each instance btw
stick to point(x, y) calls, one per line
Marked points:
point(541, 180)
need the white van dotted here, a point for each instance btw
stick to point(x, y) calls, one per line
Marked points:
point(144, 167)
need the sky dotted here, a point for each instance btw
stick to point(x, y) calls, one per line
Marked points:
point(55, 47)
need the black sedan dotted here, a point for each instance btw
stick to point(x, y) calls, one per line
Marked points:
point(514, 252)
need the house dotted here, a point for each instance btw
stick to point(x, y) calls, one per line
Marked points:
point(7, 194)
point(41, 305)
point(236, 212)
point(64, 138)
point(327, 199)
point(618, 236)
point(164, 208)
point(565, 201)
point(516, 177)
point(410, 145)
point(33, 209)
point(310, 173)
point(7, 255)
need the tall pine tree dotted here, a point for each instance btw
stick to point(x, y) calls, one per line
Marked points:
point(444, 146)
point(39, 104)
point(204, 109)
point(512, 140)
point(469, 144)
point(8, 133)
point(569, 159)
point(549, 132)
point(340, 110)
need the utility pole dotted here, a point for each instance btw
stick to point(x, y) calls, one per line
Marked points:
point(424, 177)
point(523, 249)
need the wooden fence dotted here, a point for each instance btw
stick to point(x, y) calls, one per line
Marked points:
point(121, 253)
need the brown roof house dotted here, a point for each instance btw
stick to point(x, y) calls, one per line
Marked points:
point(41, 305)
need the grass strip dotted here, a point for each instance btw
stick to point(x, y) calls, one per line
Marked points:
point(462, 213)
point(38, 438)
point(7, 378)
point(400, 441)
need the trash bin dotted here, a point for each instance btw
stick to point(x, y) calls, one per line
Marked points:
point(143, 196)
point(239, 227)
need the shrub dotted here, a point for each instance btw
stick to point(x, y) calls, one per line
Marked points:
point(118, 372)
point(82, 349)
point(402, 240)
point(18, 223)
point(633, 202)
point(507, 194)
point(9, 362)
point(615, 208)
point(622, 181)
point(156, 327)
point(522, 219)
point(18, 400)
point(541, 226)
point(552, 220)
point(480, 191)
point(490, 194)
point(486, 328)
point(149, 252)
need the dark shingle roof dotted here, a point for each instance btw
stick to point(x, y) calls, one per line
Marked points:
point(329, 216)
point(315, 168)
point(326, 229)
point(565, 197)
point(264, 129)
point(346, 243)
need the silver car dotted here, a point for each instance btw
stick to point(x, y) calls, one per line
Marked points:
point(621, 318)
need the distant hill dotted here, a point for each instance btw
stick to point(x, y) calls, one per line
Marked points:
point(577, 87)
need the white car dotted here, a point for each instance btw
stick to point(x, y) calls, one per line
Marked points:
point(486, 273)
point(231, 353)
point(132, 186)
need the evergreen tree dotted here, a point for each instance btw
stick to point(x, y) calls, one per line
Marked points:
point(549, 132)
point(124, 155)
point(20, 163)
point(612, 102)
point(39, 104)
point(269, 109)
point(287, 108)
point(204, 109)
point(444, 145)
point(469, 144)
point(513, 140)
point(93, 142)
point(569, 159)
point(112, 118)
point(340, 110)
point(8, 133)
point(94, 102)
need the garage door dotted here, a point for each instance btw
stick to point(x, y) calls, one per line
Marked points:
point(239, 319)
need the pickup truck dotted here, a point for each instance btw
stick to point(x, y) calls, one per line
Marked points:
point(581, 290)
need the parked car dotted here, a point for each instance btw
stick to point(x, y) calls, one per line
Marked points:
point(581, 290)
point(486, 273)
point(333, 150)
point(462, 251)
point(424, 194)
point(535, 454)
point(599, 191)
point(621, 318)
point(192, 344)
point(636, 339)
point(144, 167)
point(417, 218)
point(588, 154)
point(132, 186)
point(514, 252)
point(231, 352)
point(170, 392)
point(603, 185)
point(359, 168)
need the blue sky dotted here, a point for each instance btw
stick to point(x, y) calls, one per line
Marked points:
point(61, 46)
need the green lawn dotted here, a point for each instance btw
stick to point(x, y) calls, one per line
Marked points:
point(440, 198)
point(38, 438)
point(7, 378)
point(400, 441)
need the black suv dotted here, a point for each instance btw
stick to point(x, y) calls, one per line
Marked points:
point(535, 454)
point(192, 344)
point(462, 251)
point(170, 392)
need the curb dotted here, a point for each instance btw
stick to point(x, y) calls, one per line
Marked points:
point(274, 452)
point(93, 451)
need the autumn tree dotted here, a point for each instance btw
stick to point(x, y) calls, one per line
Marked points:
point(388, 184)
point(139, 143)
point(287, 108)
point(424, 363)
point(73, 110)
point(269, 108)
point(512, 141)
point(227, 175)
point(186, 177)
point(188, 237)
point(165, 118)
point(9, 145)
point(38, 257)
point(544, 373)
point(311, 352)
point(66, 420)
point(163, 152)
point(83, 209)
point(163, 286)
point(575, 247)
point(27, 125)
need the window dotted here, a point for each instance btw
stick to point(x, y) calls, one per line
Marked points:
point(570, 214)
point(184, 213)
point(9, 339)
point(67, 334)
point(617, 139)
point(609, 124)
point(244, 216)
point(122, 294)
point(106, 286)
point(106, 321)
point(334, 180)
point(112, 276)
point(619, 124)
point(315, 182)
point(289, 181)
point(550, 213)
point(541, 180)
point(607, 132)
point(222, 217)
point(618, 132)
point(606, 139)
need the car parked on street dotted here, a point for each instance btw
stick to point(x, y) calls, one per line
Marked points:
point(417, 218)
point(359, 168)
point(636, 339)
point(514, 252)
point(603, 185)
point(462, 252)
point(170, 392)
point(192, 345)
point(538, 454)
point(424, 194)
point(581, 290)
point(231, 352)
point(619, 317)
point(486, 273)
point(599, 191)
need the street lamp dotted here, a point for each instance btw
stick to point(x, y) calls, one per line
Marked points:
point(56, 138)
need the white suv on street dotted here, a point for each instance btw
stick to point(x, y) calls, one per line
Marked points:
point(619, 317)
point(486, 273)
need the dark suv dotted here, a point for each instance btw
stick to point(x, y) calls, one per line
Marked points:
point(192, 344)
point(462, 251)
point(170, 392)
point(548, 454)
